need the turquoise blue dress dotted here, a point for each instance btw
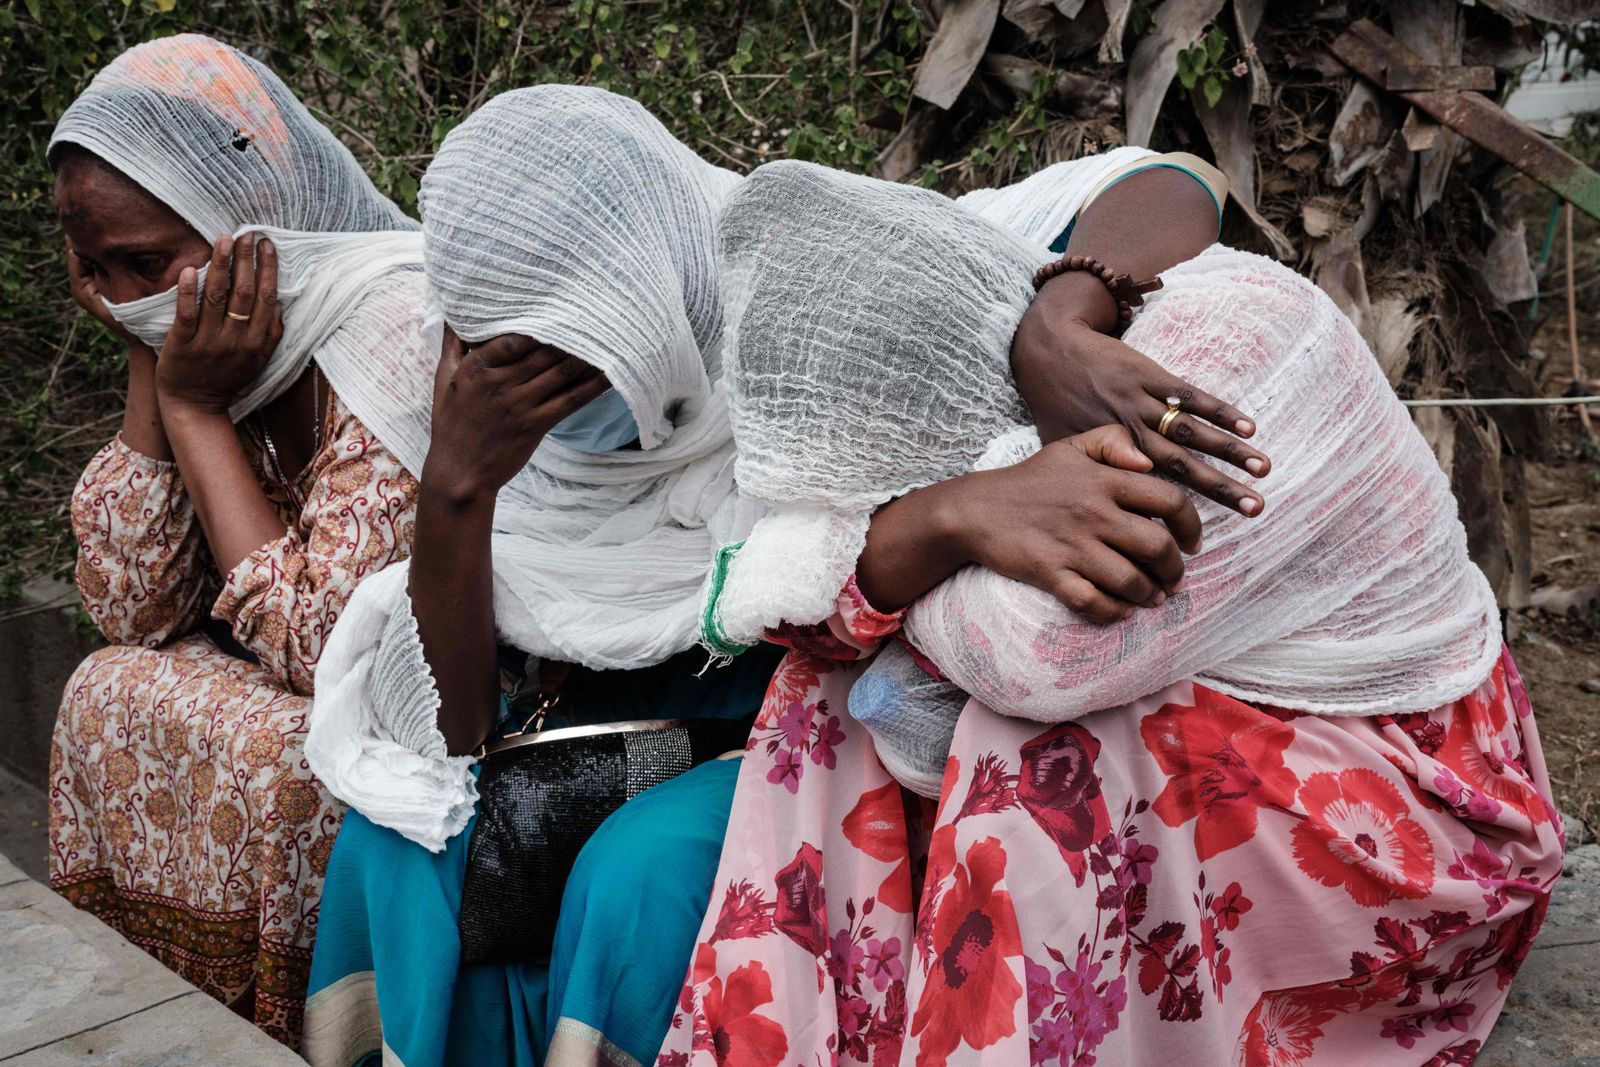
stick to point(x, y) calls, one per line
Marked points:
point(386, 970)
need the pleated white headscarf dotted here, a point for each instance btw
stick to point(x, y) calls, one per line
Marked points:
point(219, 138)
point(570, 215)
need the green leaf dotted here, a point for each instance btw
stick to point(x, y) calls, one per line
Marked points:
point(1216, 43)
point(1187, 75)
point(1212, 89)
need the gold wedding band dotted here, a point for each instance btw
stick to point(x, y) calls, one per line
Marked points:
point(1174, 408)
point(235, 316)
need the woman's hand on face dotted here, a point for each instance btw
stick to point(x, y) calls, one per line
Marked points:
point(1075, 378)
point(222, 338)
point(1075, 520)
point(492, 405)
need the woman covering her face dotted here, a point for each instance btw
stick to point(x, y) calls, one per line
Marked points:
point(1295, 813)
point(277, 414)
point(581, 480)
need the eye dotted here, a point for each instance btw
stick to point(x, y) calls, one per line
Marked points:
point(150, 267)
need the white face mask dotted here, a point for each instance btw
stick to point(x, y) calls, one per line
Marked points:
point(602, 425)
point(150, 317)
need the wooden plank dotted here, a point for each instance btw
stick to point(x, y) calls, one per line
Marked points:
point(1371, 53)
point(1418, 77)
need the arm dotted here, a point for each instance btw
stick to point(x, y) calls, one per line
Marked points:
point(141, 418)
point(282, 600)
point(208, 356)
point(140, 566)
point(1073, 520)
point(492, 405)
point(1075, 376)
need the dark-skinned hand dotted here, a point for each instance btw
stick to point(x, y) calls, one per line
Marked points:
point(493, 403)
point(1075, 520)
point(1075, 377)
point(210, 355)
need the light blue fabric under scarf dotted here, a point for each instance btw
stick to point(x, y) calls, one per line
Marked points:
point(601, 425)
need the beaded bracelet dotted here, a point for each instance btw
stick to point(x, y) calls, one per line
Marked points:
point(1128, 293)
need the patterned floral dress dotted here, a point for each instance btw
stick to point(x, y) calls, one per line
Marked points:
point(1186, 879)
point(182, 811)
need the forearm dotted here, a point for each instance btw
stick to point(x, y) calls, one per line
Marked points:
point(452, 597)
point(913, 544)
point(1144, 224)
point(141, 419)
point(234, 511)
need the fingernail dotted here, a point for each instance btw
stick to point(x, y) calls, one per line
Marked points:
point(1254, 466)
point(1245, 426)
point(1250, 505)
point(1159, 599)
point(1178, 586)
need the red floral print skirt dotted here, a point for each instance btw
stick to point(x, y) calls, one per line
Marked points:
point(1187, 879)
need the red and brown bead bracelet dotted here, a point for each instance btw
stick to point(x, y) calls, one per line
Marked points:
point(1128, 293)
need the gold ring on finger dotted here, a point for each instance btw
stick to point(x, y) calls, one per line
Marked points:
point(1174, 408)
point(235, 316)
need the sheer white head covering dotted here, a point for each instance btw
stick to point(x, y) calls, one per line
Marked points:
point(219, 138)
point(870, 325)
point(572, 216)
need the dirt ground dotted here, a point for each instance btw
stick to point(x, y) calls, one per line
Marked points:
point(1560, 656)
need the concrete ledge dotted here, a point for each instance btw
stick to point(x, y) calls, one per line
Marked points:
point(72, 991)
point(43, 648)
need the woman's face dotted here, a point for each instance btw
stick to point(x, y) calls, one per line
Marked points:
point(132, 244)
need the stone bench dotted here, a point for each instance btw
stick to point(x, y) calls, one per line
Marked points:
point(73, 992)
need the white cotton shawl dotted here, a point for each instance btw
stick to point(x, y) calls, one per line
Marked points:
point(219, 138)
point(568, 215)
point(869, 328)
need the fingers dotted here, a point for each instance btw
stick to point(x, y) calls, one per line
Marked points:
point(75, 268)
point(242, 278)
point(504, 350)
point(566, 372)
point(216, 287)
point(1175, 462)
point(1144, 495)
point(1202, 404)
point(1114, 446)
point(557, 407)
point(265, 316)
point(1150, 546)
point(1116, 576)
point(1187, 431)
point(1078, 594)
point(451, 353)
point(187, 317)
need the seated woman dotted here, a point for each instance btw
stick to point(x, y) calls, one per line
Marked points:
point(571, 244)
point(265, 464)
point(1296, 813)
